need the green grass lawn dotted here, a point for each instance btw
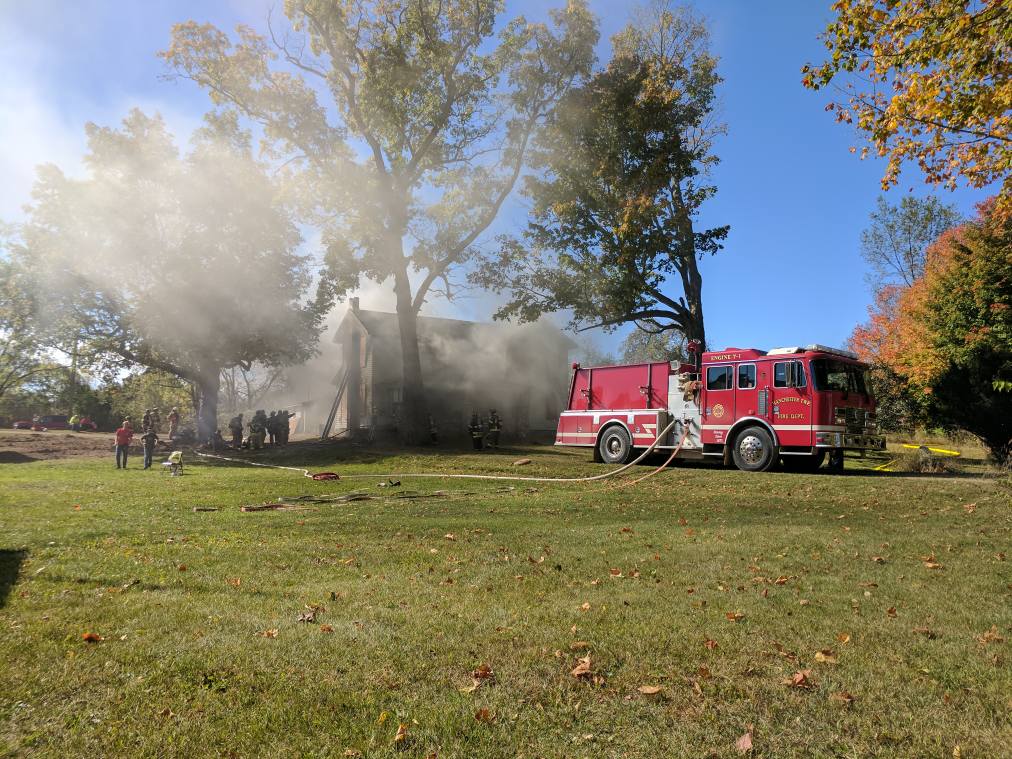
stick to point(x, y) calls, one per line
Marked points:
point(890, 593)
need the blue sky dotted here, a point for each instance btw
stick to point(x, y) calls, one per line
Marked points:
point(795, 197)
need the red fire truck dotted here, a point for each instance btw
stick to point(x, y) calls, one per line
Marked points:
point(755, 409)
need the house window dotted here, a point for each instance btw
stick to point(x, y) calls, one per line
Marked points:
point(746, 376)
point(719, 378)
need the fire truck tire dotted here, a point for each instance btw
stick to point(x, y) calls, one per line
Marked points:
point(804, 463)
point(615, 446)
point(754, 450)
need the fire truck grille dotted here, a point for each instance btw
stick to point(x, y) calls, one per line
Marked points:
point(855, 419)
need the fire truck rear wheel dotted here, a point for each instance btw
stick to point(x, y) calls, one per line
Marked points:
point(754, 450)
point(615, 446)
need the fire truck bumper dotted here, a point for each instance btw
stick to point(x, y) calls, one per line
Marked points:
point(849, 440)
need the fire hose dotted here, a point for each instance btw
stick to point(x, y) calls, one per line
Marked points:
point(663, 466)
point(612, 473)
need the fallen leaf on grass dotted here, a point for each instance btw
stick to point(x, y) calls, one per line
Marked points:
point(585, 606)
point(402, 733)
point(626, 529)
point(584, 671)
point(273, 633)
point(843, 637)
point(521, 462)
point(615, 572)
point(307, 616)
point(583, 667)
point(891, 611)
point(926, 632)
point(800, 679)
point(734, 616)
point(352, 752)
point(826, 656)
point(450, 536)
point(483, 715)
point(326, 628)
point(789, 655)
point(781, 580)
point(878, 559)
point(167, 713)
point(710, 644)
point(804, 602)
point(930, 563)
point(90, 637)
point(843, 698)
point(181, 567)
point(235, 582)
point(744, 744)
point(650, 690)
point(991, 636)
point(579, 645)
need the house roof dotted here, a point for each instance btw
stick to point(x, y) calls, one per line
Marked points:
point(383, 325)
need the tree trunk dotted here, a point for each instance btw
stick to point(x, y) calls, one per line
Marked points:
point(207, 385)
point(414, 409)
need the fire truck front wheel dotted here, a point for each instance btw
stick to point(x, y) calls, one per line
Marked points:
point(754, 450)
point(615, 446)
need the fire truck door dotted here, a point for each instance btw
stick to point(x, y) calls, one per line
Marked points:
point(791, 403)
point(746, 391)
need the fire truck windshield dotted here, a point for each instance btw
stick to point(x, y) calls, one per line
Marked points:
point(841, 376)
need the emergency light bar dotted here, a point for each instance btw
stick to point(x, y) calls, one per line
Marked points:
point(811, 347)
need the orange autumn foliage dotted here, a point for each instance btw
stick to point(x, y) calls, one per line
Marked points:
point(898, 333)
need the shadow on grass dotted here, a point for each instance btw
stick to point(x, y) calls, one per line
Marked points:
point(10, 565)
point(15, 457)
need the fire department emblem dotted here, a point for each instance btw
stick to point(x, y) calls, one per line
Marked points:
point(718, 411)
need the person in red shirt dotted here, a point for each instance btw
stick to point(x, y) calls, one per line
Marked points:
point(123, 437)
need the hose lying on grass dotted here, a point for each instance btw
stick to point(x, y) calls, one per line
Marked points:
point(612, 473)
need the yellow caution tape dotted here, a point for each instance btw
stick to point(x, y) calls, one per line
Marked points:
point(943, 451)
point(885, 467)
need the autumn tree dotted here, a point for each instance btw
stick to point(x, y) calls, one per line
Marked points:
point(950, 333)
point(640, 346)
point(895, 246)
point(623, 166)
point(183, 264)
point(927, 81)
point(21, 356)
point(403, 126)
point(897, 239)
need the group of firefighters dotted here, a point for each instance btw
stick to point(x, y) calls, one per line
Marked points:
point(485, 434)
point(261, 428)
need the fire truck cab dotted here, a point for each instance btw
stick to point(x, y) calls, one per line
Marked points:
point(755, 409)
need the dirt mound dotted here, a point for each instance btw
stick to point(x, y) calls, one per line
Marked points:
point(21, 446)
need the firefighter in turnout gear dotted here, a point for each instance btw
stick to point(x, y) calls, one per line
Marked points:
point(235, 427)
point(477, 434)
point(284, 429)
point(494, 429)
point(173, 422)
point(258, 430)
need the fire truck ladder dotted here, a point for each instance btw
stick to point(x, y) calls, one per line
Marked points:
point(341, 388)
